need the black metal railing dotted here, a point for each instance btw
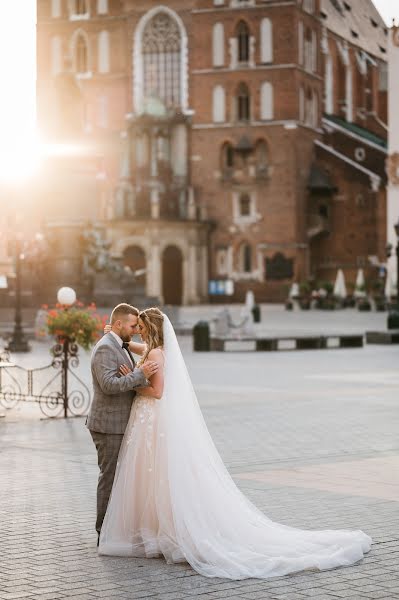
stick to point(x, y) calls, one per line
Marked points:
point(55, 387)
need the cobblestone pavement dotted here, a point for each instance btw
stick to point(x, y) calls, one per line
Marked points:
point(311, 437)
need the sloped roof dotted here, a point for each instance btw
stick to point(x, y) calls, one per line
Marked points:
point(357, 21)
point(358, 130)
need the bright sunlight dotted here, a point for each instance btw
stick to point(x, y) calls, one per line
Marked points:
point(19, 146)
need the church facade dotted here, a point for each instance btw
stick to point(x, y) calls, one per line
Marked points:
point(238, 141)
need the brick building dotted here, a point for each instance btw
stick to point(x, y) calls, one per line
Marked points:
point(239, 140)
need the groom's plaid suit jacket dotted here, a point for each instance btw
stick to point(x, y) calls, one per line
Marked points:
point(112, 394)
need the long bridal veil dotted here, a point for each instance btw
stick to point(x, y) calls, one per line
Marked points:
point(202, 517)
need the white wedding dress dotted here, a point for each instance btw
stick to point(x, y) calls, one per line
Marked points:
point(173, 497)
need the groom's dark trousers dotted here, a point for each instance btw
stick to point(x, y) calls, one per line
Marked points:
point(107, 445)
point(109, 412)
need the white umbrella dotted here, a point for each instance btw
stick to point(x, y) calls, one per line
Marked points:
point(294, 291)
point(339, 286)
point(390, 287)
point(359, 285)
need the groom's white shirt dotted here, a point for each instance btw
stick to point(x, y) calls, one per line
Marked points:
point(120, 342)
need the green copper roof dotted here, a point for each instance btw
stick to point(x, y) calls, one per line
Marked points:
point(360, 131)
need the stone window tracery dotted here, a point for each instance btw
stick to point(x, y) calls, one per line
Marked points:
point(243, 103)
point(243, 41)
point(161, 48)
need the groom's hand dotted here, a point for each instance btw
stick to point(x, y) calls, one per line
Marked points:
point(149, 369)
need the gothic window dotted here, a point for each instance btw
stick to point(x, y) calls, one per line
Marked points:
point(329, 86)
point(103, 52)
point(218, 45)
point(78, 9)
point(266, 101)
point(245, 205)
point(309, 107)
point(243, 103)
point(161, 48)
point(314, 52)
point(308, 48)
point(245, 258)
point(266, 41)
point(81, 7)
point(219, 104)
point(242, 33)
point(56, 55)
point(102, 7)
point(300, 43)
point(81, 54)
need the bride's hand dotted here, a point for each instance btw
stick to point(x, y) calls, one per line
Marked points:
point(124, 370)
point(107, 328)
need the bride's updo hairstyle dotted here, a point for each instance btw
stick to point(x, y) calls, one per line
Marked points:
point(153, 320)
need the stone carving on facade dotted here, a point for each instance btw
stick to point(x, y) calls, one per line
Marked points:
point(393, 168)
point(395, 35)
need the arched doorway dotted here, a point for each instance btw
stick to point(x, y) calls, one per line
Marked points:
point(134, 257)
point(172, 276)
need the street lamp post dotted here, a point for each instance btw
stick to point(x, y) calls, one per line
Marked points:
point(67, 297)
point(18, 342)
point(393, 317)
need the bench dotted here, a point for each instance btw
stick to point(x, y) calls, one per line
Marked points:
point(302, 342)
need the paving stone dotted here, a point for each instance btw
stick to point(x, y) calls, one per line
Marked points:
point(327, 410)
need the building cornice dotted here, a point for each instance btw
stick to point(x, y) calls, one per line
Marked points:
point(253, 7)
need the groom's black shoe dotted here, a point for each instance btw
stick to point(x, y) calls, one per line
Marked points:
point(98, 539)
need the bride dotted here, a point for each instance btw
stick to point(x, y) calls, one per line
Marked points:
point(173, 496)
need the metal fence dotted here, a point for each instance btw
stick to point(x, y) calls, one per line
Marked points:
point(55, 387)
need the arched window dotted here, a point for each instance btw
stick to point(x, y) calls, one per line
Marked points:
point(242, 33)
point(266, 101)
point(218, 45)
point(329, 86)
point(161, 48)
point(314, 52)
point(219, 104)
point(102, 7)
point(243, 103)
point(103, 52)
point(309, 107)
point(245, 205)
point(308, 50)
point(245, 258)
point(227, 156)
point(81, 58)
point(56, 55)
point(81, 7)
point(266, 41)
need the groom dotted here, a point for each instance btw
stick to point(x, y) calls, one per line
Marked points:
point(113, 397)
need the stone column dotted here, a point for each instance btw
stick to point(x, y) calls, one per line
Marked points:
point(155, 209)
point(192, 280)
point(154, 272)
point(204, 272)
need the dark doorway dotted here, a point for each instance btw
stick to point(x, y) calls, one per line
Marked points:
point(172, 276)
